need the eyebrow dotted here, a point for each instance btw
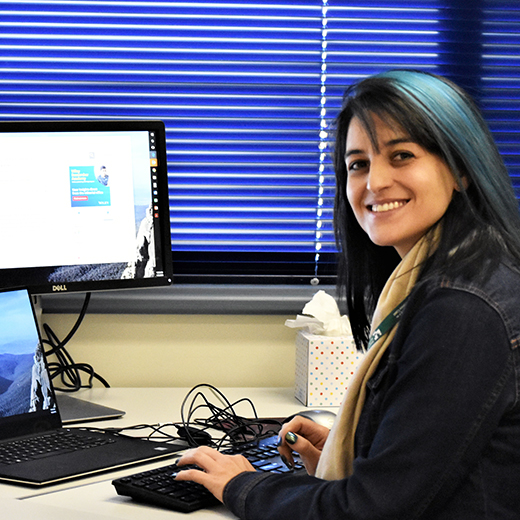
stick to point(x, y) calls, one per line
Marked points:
point(392, 142)
point(352, 152)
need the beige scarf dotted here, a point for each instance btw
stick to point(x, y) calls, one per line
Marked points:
point(338, 453)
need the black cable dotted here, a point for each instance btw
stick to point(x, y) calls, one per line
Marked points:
point(236, 429)
point(194, 430)
point(69, 372)
point(157, 433)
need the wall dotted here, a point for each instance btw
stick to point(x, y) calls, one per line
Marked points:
point(183, 350)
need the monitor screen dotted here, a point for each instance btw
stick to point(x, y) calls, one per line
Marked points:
point(84, 205)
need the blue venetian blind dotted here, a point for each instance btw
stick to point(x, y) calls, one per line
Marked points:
point(248, 92)
point(500, 77)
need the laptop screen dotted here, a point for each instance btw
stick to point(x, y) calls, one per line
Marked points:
point(25, 387)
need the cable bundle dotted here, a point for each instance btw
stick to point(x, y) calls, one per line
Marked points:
point(194, 431)
point(237, 429)
point(65, 367)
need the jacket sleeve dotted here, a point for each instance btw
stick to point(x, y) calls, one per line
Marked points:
point(433, 421)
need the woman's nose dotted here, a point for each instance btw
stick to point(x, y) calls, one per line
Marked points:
point(379, 177)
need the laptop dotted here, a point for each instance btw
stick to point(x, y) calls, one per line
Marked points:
point(29, 412)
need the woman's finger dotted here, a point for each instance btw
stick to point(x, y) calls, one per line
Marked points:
point(200, 456)
point(308, 453)
point(216, 469)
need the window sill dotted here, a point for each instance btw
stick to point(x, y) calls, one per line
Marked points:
point(190, 299)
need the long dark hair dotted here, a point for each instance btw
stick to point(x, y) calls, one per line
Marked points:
point(482, 222)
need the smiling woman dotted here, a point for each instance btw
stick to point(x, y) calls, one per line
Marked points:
point(429, 233)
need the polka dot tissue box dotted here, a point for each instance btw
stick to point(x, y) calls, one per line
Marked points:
point(325, 365)
point(326, 355)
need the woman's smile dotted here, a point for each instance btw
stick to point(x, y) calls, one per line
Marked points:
point(383, 207)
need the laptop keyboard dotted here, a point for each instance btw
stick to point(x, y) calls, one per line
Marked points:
point(158, 486)
point(47, 445)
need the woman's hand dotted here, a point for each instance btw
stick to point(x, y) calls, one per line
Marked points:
point(217, 469)
point(306, 438)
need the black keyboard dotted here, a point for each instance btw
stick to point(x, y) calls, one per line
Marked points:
point(158, 487)
point(46, 445)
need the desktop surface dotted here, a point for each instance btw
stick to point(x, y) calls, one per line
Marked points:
point(95, 497)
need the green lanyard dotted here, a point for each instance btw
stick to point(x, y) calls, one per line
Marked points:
point(387, 324)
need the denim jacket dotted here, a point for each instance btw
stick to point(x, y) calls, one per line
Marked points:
point(439, 435)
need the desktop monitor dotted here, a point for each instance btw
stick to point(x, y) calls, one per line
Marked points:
point(84, 206)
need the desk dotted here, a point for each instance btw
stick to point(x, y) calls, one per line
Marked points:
point(95, 497)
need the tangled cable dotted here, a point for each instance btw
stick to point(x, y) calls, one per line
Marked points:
point(194, 430)
point(236, 428)
point(65, 367)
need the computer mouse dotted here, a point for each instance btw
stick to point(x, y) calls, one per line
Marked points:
point(323, 417)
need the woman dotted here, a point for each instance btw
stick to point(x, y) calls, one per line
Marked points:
point(429, 230)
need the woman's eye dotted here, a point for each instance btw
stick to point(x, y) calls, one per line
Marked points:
point(403, 156)
point(356, 165)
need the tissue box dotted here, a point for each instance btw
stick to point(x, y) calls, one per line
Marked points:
point(324, 367)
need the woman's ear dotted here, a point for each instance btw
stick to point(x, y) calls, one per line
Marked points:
point(464, 183)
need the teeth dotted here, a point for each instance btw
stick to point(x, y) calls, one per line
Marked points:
point(387, 206)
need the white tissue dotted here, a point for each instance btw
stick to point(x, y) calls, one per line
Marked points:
point(326, 320)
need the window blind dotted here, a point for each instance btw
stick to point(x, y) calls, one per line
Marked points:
point(500, 80)
point(248, 92)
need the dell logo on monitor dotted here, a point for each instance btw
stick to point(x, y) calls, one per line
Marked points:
point(57, 288)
